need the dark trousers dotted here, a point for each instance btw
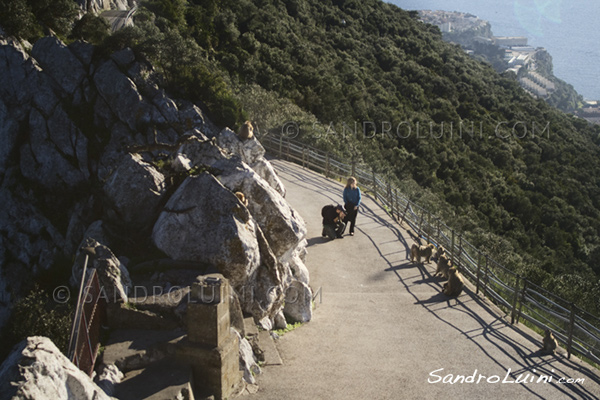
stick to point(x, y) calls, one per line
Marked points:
point(333, 231)
point(351, 214)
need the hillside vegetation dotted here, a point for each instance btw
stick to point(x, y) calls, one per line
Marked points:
point(519, 178)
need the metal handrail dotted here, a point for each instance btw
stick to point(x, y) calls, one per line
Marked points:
point(404, 210)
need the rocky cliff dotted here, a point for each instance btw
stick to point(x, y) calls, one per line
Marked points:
point(93, 151)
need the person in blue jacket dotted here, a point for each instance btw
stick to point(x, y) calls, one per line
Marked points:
point(352, 200)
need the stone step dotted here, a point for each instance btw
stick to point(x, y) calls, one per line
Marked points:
point(267, 345)
point(167, 379)
point(250, 327)
point(121, 316)
point(134, 349)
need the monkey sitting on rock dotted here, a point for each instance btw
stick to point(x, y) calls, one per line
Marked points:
point(455, 284)
point(242, 198)
point(246, 131)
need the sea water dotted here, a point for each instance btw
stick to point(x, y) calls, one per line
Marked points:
point(568, 29)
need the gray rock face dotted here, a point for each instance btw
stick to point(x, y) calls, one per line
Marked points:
point(298, 302)
point(252, 153)
point(205, 222)
point(283, 227)
point(37, 370)
point(112, 274)
point(55, 146)
point(248, 361)
point(9, 129)
point(135, 189)
point(59, 63)
point(121, 95)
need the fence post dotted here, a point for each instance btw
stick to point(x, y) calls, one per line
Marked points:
point(405, 211)
point(303, 156)
point(374, 185)
point(288, 149)
point(513, 313)
point(420, 230)
point(452, 249)
point(281, 146)
point(523, 293)
point(478, 273)
point(395, 205)
point(389, 193)
point(460, 249)
point(353, 167)
point(571, 330)
point(429, 226)
point(327, 166)
point(486, 277)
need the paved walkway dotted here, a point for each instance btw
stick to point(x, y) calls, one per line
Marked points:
point(383, 329)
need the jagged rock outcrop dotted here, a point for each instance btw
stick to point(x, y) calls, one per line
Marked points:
point(97, 6)
point(112, 274)
point(93, 153)
point(205, 222)
point(37, 370)
point(252, 153)
point(298, 302)
point(135, 189)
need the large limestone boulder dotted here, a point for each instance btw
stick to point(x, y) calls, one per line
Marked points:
point(252, 152)
point(56, 154)
point(205, 222)
point(37, 370)
point(283, 227)
point(135, 189)
point(112, 274)
point(121, 95)
point(59, 63)
point(298, 302)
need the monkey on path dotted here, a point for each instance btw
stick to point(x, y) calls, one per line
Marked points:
point(416, 252)
point(455, 283)
point(549, 343)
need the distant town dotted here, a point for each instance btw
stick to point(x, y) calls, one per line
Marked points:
point(512, 54)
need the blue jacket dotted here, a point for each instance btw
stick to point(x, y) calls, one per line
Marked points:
point(352, 196)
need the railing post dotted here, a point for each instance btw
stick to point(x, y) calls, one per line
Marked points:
point(303, 156)
point(478, 273)
point(571, 330)
point(523, 294)
point(353, 167)
point(327, 166)
point(452, 249)
point(374, 184)
point(420, 230)
point(395, 205)
point(429, 225)
point(389, 195)
point(459, 263)
point(486, 276)
point(281, 146)
point(288, 149)
point(513, 313)
point(405, 211)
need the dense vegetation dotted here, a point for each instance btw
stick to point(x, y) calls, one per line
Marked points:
point(521, 179)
